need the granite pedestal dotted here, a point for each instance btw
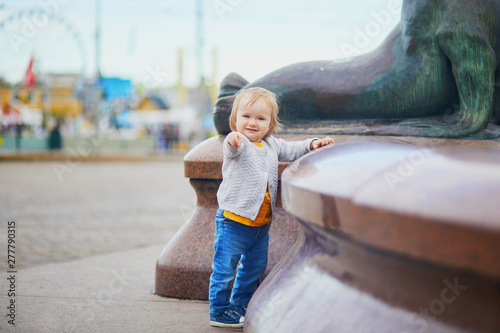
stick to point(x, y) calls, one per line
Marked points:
point(396, 235)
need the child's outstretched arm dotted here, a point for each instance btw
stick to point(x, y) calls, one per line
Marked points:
point(315, 144)
point(234, 139)
point(233, 144)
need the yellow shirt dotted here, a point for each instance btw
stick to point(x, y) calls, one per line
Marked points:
point(265, 213)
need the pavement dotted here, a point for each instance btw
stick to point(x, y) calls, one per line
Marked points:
point(85, 239)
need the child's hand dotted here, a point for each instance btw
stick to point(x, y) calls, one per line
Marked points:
point(321, 142)
point(234, 139)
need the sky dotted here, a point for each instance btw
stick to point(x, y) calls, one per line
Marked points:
point(140, 40)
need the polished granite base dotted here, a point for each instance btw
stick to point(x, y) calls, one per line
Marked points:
point(396, 235)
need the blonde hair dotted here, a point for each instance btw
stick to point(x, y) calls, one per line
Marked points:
point(250, 96)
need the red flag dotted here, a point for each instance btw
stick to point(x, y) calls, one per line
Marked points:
point(29, 78)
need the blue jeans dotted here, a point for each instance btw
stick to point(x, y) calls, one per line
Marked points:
point(236, 242)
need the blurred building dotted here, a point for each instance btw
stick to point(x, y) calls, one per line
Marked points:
point(62, 96)
point(51, 96)
point(153, 102)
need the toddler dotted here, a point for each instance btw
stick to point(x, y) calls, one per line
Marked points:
point(247, 197)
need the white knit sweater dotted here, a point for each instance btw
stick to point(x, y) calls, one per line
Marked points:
point(249, 169)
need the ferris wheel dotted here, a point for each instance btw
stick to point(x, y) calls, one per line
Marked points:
point(53, 41)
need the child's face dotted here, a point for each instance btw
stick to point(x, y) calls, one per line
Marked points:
point(254, 120)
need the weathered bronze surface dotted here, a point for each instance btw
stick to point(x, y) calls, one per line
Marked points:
point(435, 75)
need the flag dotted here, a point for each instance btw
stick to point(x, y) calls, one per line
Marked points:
point(29, 78)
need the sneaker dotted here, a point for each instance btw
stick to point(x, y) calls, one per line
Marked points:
point(239, 309)
point(228, 318)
